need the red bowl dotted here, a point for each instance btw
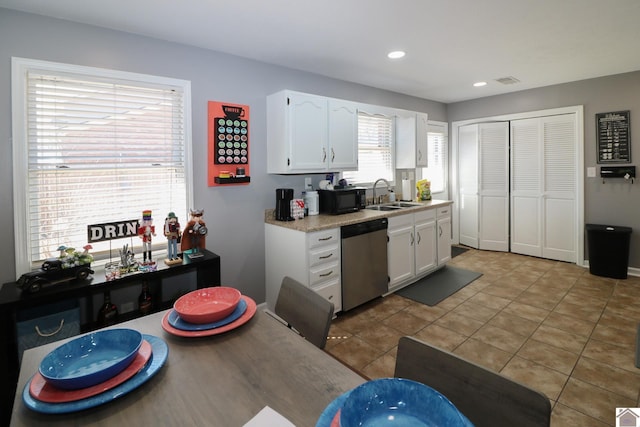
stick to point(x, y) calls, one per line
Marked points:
point(207, 305)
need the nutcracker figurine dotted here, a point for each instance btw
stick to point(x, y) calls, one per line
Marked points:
point(193, 236)
point(146, 231)
point(172, 232)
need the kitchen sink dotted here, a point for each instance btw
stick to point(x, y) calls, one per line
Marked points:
point(405, 204)
point(393, 206)
point(384, 208)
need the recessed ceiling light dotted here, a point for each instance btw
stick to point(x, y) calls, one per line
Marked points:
point(396, 54)
point(480, 84)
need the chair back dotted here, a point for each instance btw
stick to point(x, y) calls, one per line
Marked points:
point(485, 397)
point(305, 311)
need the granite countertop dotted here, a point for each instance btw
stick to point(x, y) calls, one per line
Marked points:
point(324, 222)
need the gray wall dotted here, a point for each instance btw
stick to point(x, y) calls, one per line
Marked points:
point(234, 215)
point(613, 202)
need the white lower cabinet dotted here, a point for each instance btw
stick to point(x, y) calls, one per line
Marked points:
point(425, 245)
point(444, 234)
point(412, 247)
point(312, 259)
point(400, 250)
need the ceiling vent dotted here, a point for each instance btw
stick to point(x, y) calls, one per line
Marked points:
point(508, 80)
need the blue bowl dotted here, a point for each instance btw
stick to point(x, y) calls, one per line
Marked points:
point(91, 359)
point(399, 402)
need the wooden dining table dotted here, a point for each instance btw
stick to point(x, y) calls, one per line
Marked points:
point(220, 380)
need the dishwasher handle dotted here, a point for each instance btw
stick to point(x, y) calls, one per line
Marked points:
point(352, 230)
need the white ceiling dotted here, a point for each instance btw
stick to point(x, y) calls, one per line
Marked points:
point(450, 44)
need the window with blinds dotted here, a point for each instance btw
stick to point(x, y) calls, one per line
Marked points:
point(375, 150)
point(95, 146)
point(436, 170)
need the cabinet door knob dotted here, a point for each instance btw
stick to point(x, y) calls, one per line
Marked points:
point(324, 154)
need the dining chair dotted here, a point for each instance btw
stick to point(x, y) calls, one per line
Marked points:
point(485, 397)
point(305, 311)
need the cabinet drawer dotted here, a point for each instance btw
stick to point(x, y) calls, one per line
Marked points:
point(444, 211)
point(333, 293)
point(400, 221)
point(427, 215)
point(324, 237)
point(324, 254)
point(323, 272)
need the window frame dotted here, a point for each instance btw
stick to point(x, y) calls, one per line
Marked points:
point(388, 114)
point(20, 67)
point(439, 127)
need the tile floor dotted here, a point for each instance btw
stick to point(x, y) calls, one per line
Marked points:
point(550, 325)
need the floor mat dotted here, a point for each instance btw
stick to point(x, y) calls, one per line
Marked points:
point(439, 285)
point(457, 250)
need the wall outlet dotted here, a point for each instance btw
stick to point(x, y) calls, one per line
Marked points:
point(307, 183)
point(126, 307)
point(404, 175)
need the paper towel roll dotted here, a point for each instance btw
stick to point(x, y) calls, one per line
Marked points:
point(407, 189)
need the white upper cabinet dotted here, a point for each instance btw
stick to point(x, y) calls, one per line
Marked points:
point(310, 133)
point(343, 135)
point(411, 140)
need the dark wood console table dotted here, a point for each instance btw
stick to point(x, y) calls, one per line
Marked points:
point(13, 299)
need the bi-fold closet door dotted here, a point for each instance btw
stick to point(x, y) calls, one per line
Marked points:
point(483, 171)
point(517, 186)
point(543, 187)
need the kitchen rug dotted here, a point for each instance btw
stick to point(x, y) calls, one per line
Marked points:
point(439, 285)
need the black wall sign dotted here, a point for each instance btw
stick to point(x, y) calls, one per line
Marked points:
point(613, 133)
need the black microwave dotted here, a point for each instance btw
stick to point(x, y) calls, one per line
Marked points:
point(342, 200)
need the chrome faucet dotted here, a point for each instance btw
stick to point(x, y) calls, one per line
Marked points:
point(374, 188)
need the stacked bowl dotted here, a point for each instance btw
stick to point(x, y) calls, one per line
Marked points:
point(91, 359)
point(208, 311)
point(93, 369)
point(392, 401)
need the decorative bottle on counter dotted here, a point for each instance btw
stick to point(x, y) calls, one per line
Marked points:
point(145, 300)
point(108, 313)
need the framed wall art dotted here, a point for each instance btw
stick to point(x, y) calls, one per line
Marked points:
point(613, 135)
point(228, 160)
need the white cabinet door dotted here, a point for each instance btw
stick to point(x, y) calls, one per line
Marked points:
point(308, 132)
point(406, 140)
point(444, 239)
point(422, 129)
point(343, 135)
point(425, 246)
point(411, 140)
point(400, 249)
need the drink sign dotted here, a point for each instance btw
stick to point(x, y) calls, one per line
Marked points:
point(613, 133)
point(112, 230)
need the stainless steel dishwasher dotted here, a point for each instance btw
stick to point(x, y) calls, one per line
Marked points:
point(365, 274)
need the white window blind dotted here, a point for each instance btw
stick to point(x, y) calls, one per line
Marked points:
point(98, 150)
point(375, 150)
point(436, 170)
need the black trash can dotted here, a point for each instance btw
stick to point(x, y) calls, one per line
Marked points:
point(608, 250)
